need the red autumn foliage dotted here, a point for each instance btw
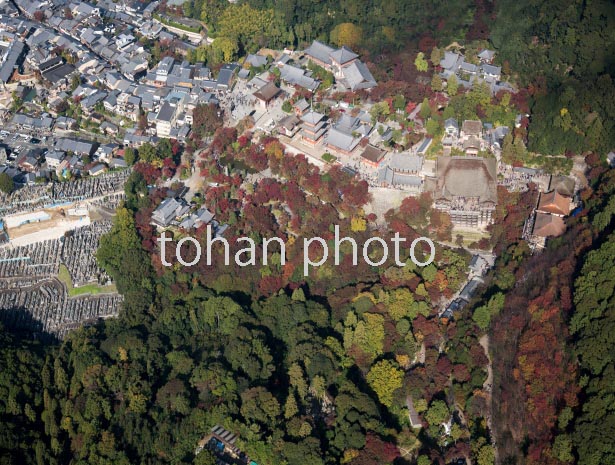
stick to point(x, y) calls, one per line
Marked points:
point(150, 173)
point(376, 452)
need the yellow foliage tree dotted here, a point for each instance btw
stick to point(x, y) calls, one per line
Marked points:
point(275, 149)
point(349, 455)
point(123, 354)
point(358, 224)
point(225, 48)
point(385, 378)
point(368, 334)
point(347, 34)
point(367, 294)
point(403, 360)
point(399, 306)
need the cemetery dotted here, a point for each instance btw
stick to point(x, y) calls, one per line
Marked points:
point(77, 254)
point(33, 299)
point(45, 307)
point(36, 197)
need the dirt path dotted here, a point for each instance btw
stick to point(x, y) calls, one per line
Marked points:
point(487, 388)
point(484, 342)
point(419, 358)
point(464, 422)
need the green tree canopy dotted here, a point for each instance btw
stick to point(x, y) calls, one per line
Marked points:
point(7, 185)
point(437, 413)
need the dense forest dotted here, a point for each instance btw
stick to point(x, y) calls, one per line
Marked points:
point(564, 54)
point(552, 374)
point(374, 25)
